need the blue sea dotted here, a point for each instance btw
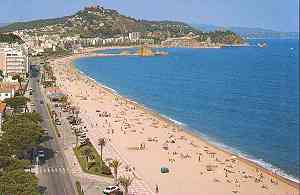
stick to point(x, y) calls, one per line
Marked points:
point(243, 99)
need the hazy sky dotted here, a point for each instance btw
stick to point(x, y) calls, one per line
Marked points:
point(280, 15)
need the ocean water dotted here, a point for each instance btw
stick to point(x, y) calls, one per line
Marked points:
point(244, 99)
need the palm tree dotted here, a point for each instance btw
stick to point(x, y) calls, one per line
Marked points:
point(115, 164)
point(88, 153)
point(101, 143)
point(125, 183)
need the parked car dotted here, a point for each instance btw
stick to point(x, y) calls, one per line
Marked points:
point(111, 189)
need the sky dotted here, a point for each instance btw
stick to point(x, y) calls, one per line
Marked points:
point(281, 15)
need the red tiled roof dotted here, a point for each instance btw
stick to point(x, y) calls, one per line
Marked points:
point(52, 90)
point(8, 87)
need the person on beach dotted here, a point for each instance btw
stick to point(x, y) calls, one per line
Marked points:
point(156, 188)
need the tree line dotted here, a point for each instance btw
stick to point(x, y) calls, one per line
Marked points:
point(20, 134)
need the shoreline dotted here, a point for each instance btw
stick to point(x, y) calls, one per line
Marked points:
point(168, 120)
point(188, 130)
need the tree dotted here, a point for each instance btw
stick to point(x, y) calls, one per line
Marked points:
point(18, 182)
point(115, 164)
point(20, 79)
point(20, 134)
point(33, 116)
point(17, 103)
point(125, 183)
point(88, 153)
point(5, 155)
point(18, 164)
point(101, 143)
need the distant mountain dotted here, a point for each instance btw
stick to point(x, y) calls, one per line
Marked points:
point(248, 32)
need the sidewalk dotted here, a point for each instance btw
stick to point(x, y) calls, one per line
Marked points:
point(91, 184)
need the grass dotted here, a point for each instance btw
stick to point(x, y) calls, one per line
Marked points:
point(97, 167)
point(79, 189)
point(52, 121)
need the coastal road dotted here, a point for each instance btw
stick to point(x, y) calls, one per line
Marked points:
point(52, 172)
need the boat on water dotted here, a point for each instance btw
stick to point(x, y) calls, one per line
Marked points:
point(262, 45)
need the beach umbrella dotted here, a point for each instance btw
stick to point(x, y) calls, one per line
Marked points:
point(164, 169)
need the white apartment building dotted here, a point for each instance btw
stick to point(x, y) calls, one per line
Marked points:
point(134, 36)
point(14, 59)
point(8, 90)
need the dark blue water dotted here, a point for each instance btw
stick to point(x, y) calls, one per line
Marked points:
point(244, 98)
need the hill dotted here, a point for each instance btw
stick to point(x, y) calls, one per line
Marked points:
point(96, 21)
point(100, 22)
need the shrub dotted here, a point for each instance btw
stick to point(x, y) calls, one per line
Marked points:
point(106, 170)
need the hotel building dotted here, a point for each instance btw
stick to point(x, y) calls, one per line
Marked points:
point(14, 59)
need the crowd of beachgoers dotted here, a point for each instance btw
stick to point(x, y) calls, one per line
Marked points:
point(151, 143)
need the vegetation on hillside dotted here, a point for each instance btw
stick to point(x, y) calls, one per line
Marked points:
point(10, 38)
point(107, 23)
point(32, 24)
point(100, 22)
point(225, 37)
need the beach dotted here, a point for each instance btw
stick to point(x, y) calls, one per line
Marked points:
point(149, 142)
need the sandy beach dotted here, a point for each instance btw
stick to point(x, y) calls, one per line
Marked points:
point(149, 142)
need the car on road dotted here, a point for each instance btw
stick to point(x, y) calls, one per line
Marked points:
point(46, 131)
point(111, 189)
point(41, 154)
point(41, 101)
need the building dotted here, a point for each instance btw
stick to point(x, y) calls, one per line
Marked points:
point(14, 59)
point(134, 36)
point(55, 93)
point(2, 113)
point(188, 41)
point(8, 90)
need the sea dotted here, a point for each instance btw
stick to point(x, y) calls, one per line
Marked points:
point(243, 99)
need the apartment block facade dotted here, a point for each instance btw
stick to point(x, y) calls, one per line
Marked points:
point(14, 59)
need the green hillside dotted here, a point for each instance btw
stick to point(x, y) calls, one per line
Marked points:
point(106, 23)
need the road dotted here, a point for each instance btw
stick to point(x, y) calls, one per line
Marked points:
point(52, 172)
